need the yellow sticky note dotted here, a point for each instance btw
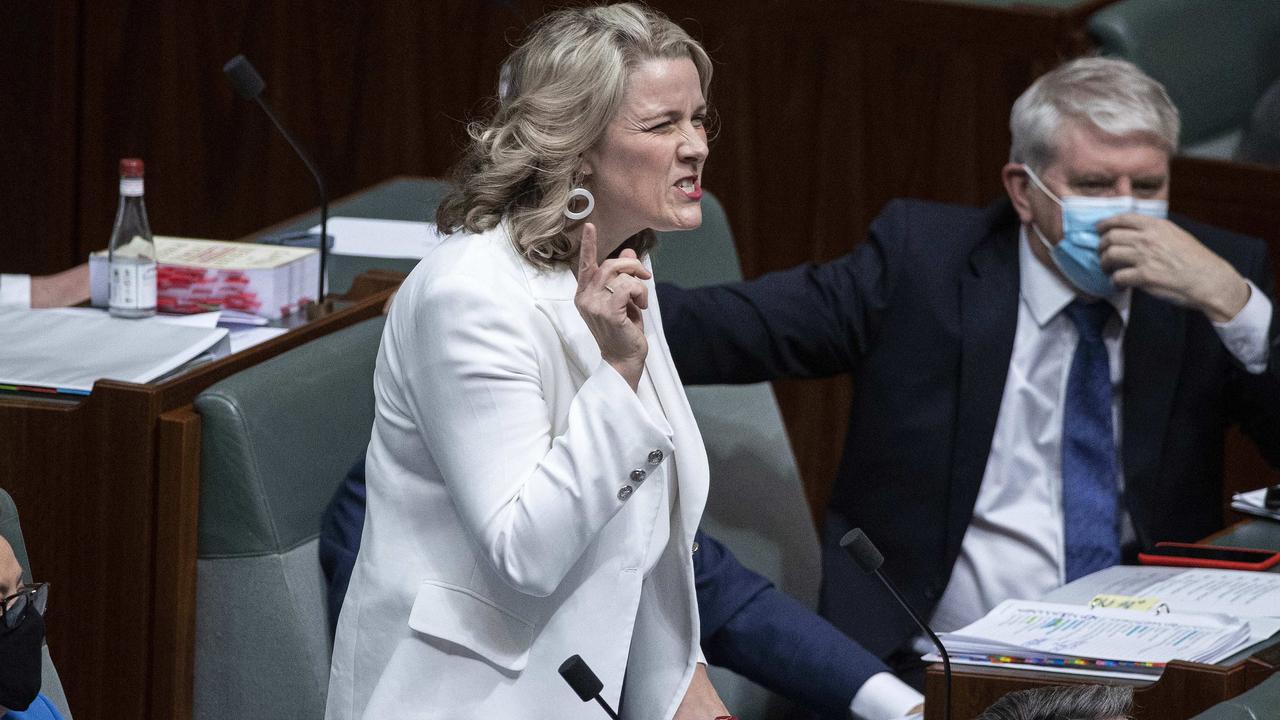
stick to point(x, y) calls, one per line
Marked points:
point(1124, 602)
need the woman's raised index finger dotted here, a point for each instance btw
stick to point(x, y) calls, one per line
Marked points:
point(586, 252)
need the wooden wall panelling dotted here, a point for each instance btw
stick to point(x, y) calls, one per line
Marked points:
point(176, 545)
point(79, 477)
point(371, 90)
point(39, 66)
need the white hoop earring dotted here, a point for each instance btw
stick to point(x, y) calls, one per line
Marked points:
point(579, 192)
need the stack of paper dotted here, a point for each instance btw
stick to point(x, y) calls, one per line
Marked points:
point(1031, 632)
point(270, 281)
point(1126, 621)
point(58, 351)
point(1252, 503)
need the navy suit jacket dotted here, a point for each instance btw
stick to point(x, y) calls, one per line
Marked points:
point(922, 316)
point(748, 625)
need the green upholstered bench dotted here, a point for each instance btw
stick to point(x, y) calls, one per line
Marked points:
point(1215, 57)
point(277, 439)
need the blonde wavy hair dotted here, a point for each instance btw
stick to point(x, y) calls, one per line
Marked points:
point(560, 88)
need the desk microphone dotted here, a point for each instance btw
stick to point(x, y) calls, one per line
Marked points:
point(864, 552)
point(577, 673)
point(248, 84)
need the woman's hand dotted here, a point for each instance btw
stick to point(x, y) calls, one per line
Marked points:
point(610, 297)
point(701, 702)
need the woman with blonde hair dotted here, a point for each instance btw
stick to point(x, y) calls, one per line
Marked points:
point(535, 476)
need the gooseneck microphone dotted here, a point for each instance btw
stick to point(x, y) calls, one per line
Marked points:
point(248, 85)
point(864, 553)
point(577, 673)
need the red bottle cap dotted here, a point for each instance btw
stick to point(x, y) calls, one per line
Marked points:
point(131, 167)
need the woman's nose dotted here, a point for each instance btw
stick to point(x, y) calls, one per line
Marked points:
point(694, 148)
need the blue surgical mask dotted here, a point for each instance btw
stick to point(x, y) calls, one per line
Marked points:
point(1077, 254)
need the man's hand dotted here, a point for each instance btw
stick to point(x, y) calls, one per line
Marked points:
point(1161, 258)
point(701, 702)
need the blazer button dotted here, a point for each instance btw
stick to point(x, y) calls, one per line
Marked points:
point(638, 475)
point(625, 493)
point(655, 457)
point(695, 546)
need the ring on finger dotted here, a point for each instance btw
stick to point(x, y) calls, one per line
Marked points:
point(611, 290)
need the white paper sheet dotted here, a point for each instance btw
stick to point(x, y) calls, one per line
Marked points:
point(1253, 503)
point(381, 238)
point(1037, 629)
point(70, 351)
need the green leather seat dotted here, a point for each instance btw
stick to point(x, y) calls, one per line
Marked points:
point(11, 530)
point(277, 439)
point(752, 465)
point(1215, 57)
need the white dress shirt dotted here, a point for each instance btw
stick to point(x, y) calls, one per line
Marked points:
point(15, 290)
point(1013, 547)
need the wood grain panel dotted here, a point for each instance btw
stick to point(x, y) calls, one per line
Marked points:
point(176, 544)
point(39, 66)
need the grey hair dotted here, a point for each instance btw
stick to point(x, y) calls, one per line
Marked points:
point(559, 89)
point(1113, 95)
point(1063, 702)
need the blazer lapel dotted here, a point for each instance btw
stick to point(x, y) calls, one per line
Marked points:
point(691, 454)
point(553, 290)
point(988, 321)
point(1152, 361)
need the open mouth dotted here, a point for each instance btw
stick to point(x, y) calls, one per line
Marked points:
point(690, 187)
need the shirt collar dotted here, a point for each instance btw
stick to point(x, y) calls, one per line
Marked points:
point(1046, 294)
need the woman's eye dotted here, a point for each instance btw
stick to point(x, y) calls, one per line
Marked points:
point(660, 127)
point(699, 120)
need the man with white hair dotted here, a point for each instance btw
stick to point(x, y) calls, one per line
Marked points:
point(1040, 388)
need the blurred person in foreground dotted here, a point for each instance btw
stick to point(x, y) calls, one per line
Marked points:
point(535, 476)
point(1064, 702)
point(1040, 388)
point(22, 609)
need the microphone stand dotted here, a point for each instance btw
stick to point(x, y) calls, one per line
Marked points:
point(315, 174)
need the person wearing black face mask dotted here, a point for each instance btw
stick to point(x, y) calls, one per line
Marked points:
point(21, 638)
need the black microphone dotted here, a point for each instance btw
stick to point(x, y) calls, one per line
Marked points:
point(577, 673)
point(864, 552)
point(248, 84)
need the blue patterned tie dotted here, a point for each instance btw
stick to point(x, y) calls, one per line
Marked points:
point(1090, 496)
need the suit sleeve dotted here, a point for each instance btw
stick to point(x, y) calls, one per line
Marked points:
point(809, 321)
point(1255, 398)
point(473, 383)
point(763, 634)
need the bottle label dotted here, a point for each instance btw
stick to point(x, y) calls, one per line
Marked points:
point(133, 285)
point(131, 187)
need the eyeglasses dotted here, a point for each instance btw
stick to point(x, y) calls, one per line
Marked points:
point(14, 608)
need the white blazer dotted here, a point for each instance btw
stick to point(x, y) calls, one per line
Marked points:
point(507, 522)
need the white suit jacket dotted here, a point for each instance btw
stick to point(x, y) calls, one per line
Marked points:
point(507, 522)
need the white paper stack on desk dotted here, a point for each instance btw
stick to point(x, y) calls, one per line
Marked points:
point(1252, 503)
point(66, 351)
point(1126, 621)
